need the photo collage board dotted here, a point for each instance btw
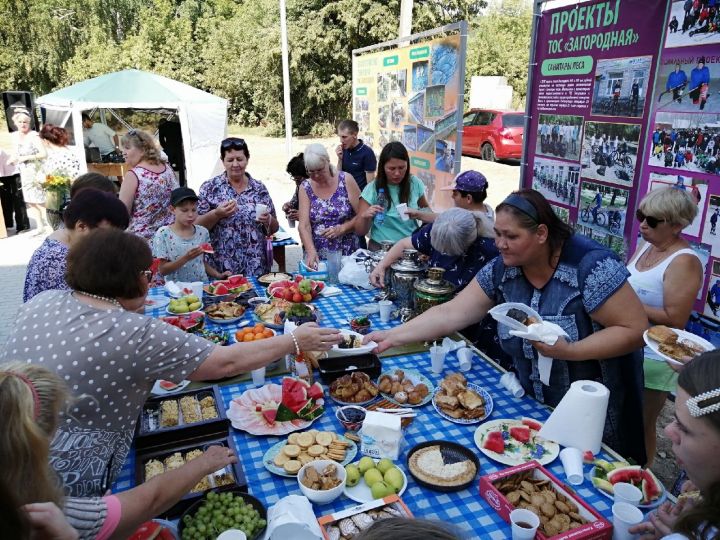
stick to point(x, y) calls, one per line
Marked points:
point(414, 94)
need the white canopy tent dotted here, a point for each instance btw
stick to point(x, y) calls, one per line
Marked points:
point(202, 116)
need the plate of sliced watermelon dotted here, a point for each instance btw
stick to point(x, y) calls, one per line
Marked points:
point(233, 285)
point(605, 474)
point(513, 442)
point(276, 409)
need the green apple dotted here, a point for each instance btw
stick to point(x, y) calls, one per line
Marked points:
point(394, 478)
point(365, 463)
point(353, 475)
point(372, 476)
point(181, 308)
point(384, 464)
point(194, 306)
point(191, 299)
point(380, 490)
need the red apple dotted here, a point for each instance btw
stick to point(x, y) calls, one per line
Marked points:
point(297, 297)
point(288, 295)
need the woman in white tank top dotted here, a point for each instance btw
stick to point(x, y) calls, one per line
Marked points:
point(666, 274)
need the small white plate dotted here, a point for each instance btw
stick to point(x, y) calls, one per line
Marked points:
point(337, 351)
point(360, 492)
point(160, 391)
point(156, 302)
point(684, 335)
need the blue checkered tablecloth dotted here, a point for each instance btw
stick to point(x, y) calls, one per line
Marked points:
point(465, 509)
point(286, 242)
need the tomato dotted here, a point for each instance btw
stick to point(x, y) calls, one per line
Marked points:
point(297, 297)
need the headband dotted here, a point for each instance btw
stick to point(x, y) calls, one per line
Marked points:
point(696, 410)
point(29, 383)
point(522, 204)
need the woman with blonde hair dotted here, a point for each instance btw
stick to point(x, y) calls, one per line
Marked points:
point(666, 274)
point(327, 205)
point(31, 399)
point(146, 187)
point(28, 154)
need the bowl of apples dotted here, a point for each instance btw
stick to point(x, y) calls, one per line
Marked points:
point(297, 290)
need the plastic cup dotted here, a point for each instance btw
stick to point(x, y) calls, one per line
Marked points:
point(625, 516)
point(260, 209)
point(465, 356)
point(385, 310)
point(258, 376)
point(572, 462)
point(232, 534)
point(510, 382)
point(291, 223)
point(524, 524)
point(334, 259)
point(437, 358)
point(450, 344)
point(627, 493)
point(402, 211)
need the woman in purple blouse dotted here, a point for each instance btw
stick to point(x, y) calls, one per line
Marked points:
point(227, 209)
point(328, 202)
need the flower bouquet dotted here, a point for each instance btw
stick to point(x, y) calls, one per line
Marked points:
point(57, 188)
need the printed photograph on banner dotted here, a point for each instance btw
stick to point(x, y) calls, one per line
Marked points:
point(684, 82)
point(363, 120)
point(425, 139)
point(398, 83)
point(446, 126)
point(710, 233)
point(410, 138)
point(712, 298)
point(383, 138)
point(396, 136)
point(443, 62)
point(384, 116)
point(397, 112)
point(561, 212)
point(603, 208)
point(621, 86)
point(703, 253)
point(416, 108)
point(444, 155)
point(420, 74)
point(383, 87)
point(361, 105)
point(558, 181)
point(609, 152)
point(428, 180)
point(696, 25)
point(434, 101)
point(686, 142)
point(559, 135)
point(697, 189)
point(369, 140)
point(614, 242)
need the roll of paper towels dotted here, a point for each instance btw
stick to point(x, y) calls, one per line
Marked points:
point(579, 418)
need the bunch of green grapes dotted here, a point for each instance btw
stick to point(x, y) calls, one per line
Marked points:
point(220, 512)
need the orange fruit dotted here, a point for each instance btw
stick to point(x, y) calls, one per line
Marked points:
point(259, 327)
point(249, 337)
point(268, 333)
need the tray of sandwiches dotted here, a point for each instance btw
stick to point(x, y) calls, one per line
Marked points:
point(462, 402)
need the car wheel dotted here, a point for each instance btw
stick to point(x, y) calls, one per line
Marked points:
point(487, 152)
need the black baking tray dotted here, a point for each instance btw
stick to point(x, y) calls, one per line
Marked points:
point(334, 368)
point(142, 456)
point(452, 452)
point(146, 437)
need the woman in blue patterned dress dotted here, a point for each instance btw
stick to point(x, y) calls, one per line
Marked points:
point(569, 280)
point(328, 202)
point(227, 209)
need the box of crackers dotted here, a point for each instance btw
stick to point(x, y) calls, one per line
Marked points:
point(349, 523)
point(151, 462)
point(181, 415)
point(563, 515)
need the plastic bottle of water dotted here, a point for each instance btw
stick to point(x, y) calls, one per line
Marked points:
point(381, 200)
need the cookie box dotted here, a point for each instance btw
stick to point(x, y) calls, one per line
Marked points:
point(352, 519)
point(152, 461)
point(596, 527)
point(334, 368)
point(166, 419)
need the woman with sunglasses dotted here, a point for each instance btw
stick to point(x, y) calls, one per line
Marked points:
point(227, 209)
point(93, 337)
point(667, 274)
point(569, 280)
point(146, 187)
point(328, 203)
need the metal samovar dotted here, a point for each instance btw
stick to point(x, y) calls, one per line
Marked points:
point(405, 273)
point(432, 291)
point(371, 263)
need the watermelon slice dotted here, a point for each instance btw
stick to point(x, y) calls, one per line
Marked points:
point(315, 391)
point(146, 531)
point(283, 414)
point(495, 442)
point(588, 457)
point(632, 474)
point(166, 534)
point(235, 281)
point(651, 487)
point(520, 433)
point(207, 248)
point(313, 413)
point(269, 415)
point(167, 385)
point(221, 288)
point(532, 424)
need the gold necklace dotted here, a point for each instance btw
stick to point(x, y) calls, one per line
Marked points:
point(662, 252)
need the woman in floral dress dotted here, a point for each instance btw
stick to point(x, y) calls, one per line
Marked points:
point(147, 185)
point(227, 209)
point(328, 203)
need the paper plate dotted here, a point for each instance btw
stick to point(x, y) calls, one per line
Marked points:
point(516, 453)
point(337, 351)
point(487, 398)
point(156, 302)
point(360, 492)
point(417, 378)
point(683, 335)
point(657, 502)
point(160, 391)
point(275, 449)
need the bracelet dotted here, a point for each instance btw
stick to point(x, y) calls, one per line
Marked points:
point(295, 341)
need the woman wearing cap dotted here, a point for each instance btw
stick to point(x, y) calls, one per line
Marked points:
point(328, 203)
point(399, 186)
point(228, 208)
point(87, 211)
point(667, 274)
point(569, 280)
point(28, 154)
point(146, 187)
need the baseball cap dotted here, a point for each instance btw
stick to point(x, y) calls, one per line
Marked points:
point(468, 181)
point(181, 194)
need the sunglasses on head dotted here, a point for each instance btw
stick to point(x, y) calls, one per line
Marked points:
point(233, 143)
point(651, 221)
point(148, 275)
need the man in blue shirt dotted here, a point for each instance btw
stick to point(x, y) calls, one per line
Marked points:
point(354, 156)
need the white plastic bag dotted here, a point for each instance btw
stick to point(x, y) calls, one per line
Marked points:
point(353, 273)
